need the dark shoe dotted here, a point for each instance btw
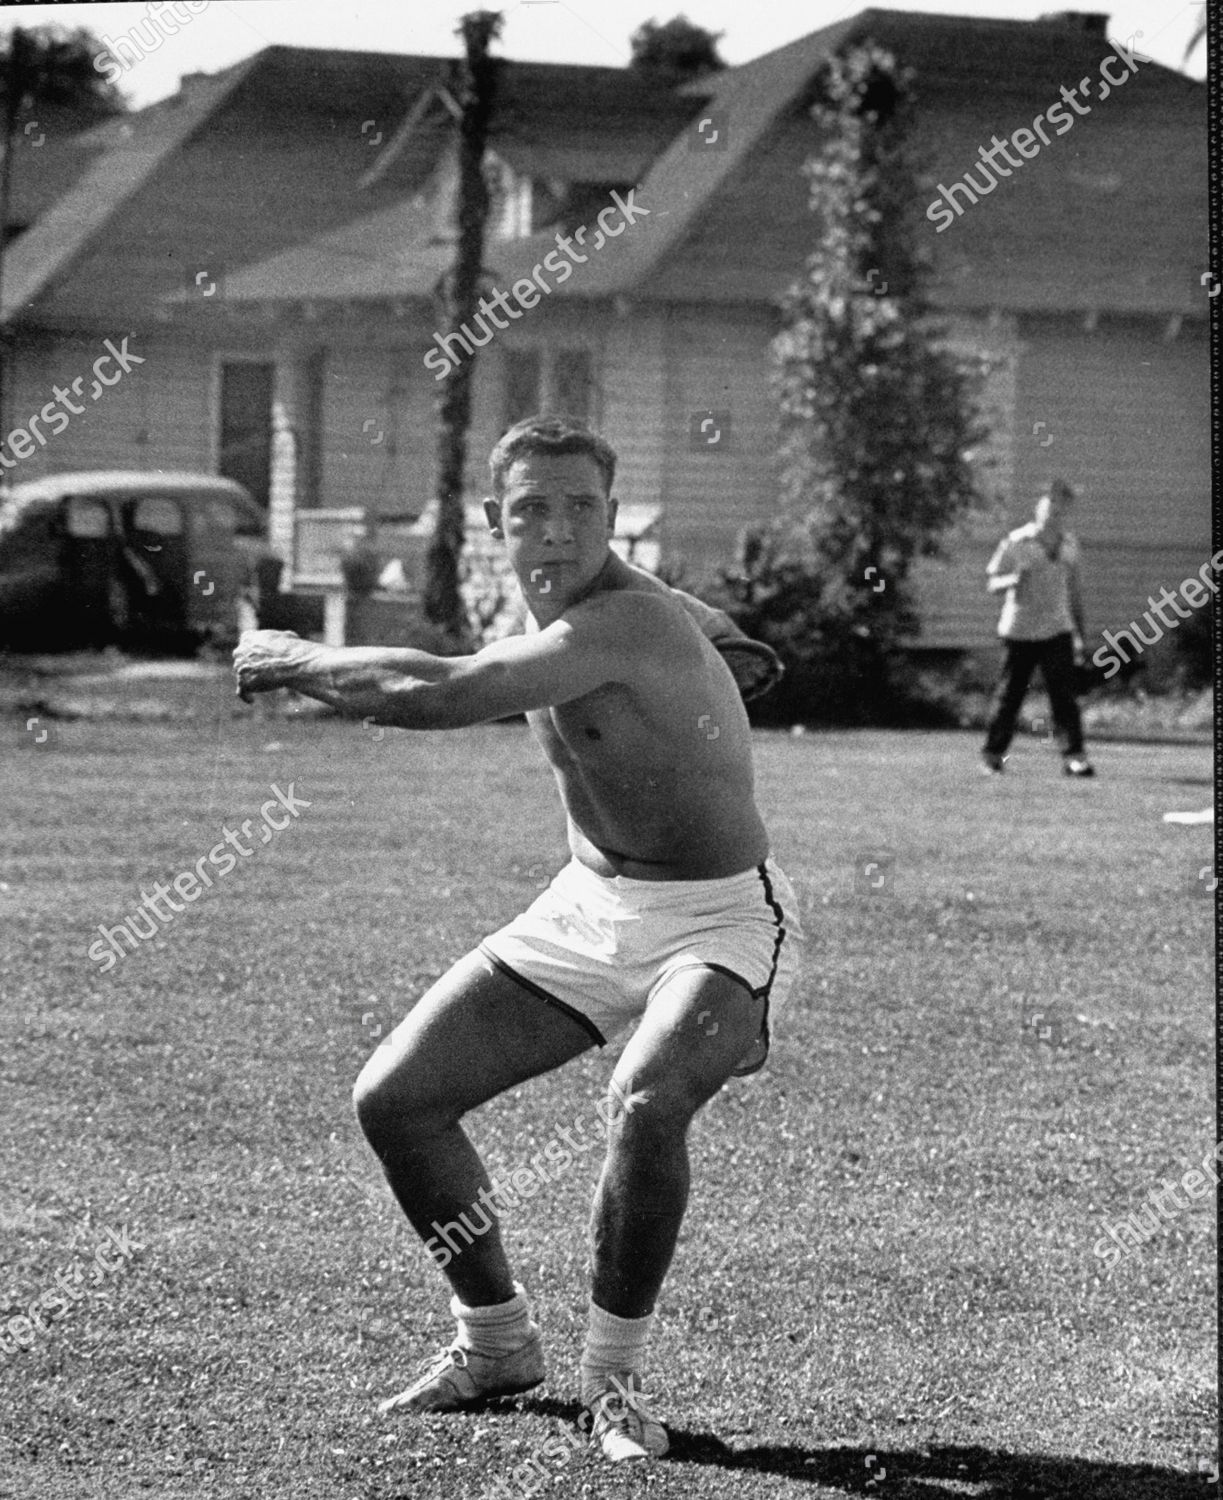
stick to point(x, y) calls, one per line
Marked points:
point(991, 764)
point(1078, 765)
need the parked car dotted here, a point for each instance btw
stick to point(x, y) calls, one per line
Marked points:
point(138, 559)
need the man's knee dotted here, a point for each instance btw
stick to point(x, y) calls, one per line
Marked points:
point(651, 1114)
point(396, 1103)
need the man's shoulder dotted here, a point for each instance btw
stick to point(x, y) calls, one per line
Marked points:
point(628, 609)
point(639, 629)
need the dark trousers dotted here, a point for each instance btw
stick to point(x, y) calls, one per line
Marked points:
point(1055, 658)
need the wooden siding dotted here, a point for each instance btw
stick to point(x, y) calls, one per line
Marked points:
point(634, 404)
point(716, 360)
point(155, 417)
point(1127, 411)
point(1063, 230)
point(355, 468)
point(375, 374)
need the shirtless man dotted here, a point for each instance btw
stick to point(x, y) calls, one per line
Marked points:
point(670, 914)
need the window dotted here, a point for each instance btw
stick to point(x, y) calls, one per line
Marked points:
point(86, 518)
point(522, 385)
point(214, 515)
point(548, 380)
point(572, 381)
point(244, 438)
point(516, 208)
point(522, 205)
point(162, 517)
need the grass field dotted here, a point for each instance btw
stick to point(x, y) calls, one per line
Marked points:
point(886, 1282)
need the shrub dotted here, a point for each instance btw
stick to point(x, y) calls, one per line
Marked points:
point(877, 418)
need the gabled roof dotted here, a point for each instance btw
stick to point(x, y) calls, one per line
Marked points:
point(710, 227)
point(959, 65)
point(55, 144)
point(132, 148)
point(549, 119)
point(714, 232)
point(259, 132)
point(741, 104)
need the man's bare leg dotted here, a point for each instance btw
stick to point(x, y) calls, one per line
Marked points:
point(473, 1035)
point(671, 1067)
point(674, 1063)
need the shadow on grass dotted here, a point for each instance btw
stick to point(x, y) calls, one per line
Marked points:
point(985, 1473)
point(988, 1474)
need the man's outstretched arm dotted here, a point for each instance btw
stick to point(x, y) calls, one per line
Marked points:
point(412, 689)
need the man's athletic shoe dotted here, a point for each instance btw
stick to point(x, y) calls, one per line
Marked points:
point(1079, 765)
point(991, 764)
point(622, 1425)
point(458, 1377)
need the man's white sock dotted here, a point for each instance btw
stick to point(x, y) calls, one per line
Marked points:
point(495, 1330)
point(613, 1345)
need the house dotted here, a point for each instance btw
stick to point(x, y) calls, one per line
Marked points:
point(270, 241)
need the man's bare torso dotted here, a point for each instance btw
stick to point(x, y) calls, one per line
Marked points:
point(655, 772)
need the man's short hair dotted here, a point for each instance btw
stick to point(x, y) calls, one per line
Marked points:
point(1062, 490)
point(549, 435)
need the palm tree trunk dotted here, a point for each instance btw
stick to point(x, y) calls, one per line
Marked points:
point(443, 602)
point(13, 90)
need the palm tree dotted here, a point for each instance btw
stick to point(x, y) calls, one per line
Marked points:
point(459, 296)
point(45, 66)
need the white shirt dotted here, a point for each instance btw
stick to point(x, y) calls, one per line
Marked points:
point(1038, 606)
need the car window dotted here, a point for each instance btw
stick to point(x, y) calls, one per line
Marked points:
point(217, 515)
point(157, 515)
point(86, 518)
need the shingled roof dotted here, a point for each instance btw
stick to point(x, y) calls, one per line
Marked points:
point(716, 227)
point(1049, 241)
point(129, 150)
point(254, 132)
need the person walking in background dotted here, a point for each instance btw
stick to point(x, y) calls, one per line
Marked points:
point(1037, 567)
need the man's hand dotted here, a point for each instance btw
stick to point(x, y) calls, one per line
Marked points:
point(268, 659)
point(756, 668)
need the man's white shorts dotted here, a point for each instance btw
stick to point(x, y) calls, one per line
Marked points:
point(598, 947)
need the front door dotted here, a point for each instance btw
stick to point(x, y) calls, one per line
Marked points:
point(244, 436)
